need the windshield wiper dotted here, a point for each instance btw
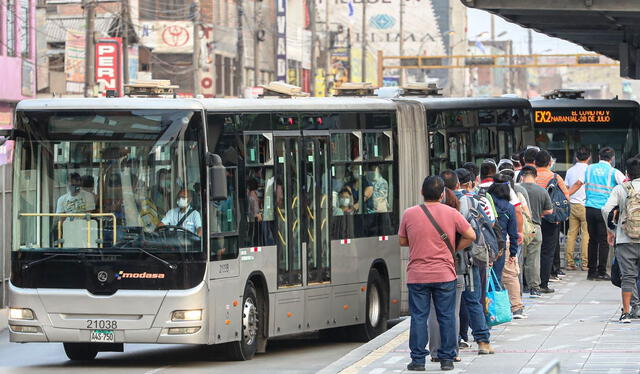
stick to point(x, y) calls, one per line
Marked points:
point(169, 265)
point(28, 265)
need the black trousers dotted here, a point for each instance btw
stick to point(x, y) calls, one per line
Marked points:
point(598, 252)
point(555, 267)
point(550, 241)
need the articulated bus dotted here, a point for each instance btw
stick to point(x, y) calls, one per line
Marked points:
point(563, 125)
point(219, 221)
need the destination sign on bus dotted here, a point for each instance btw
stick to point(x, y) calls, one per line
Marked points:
point(579, 116)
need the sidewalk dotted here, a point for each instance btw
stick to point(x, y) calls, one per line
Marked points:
point(577, 325)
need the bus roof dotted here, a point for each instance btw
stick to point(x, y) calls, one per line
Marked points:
point(584, 103)
point(108, 103)
point(299, 104)
point(462, 103)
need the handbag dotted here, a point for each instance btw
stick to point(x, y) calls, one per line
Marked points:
point(497, 304)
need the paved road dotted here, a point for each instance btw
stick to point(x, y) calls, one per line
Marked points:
point(303, 354)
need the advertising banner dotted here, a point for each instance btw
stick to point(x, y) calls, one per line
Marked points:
point(74, 60)
point(109, 65)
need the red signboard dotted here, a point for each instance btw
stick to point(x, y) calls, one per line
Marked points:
point(109, 65)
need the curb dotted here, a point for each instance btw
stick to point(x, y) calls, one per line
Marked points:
point(366, 349)
point(4, 319)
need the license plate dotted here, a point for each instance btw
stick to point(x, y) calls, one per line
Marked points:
point(103, 336)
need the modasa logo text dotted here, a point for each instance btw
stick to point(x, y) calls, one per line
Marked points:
point(144, 275)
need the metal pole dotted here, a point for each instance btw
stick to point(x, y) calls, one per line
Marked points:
point(363, 41)
point(125, 40)
point(349, 53)
point(401, 44)
point(196, 47)
point(381, 68)
point(314, 64)
point(239, 63)
point(90, 53)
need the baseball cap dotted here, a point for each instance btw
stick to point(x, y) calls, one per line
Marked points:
point(464, 175)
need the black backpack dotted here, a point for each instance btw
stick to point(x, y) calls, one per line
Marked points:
point(561, 207)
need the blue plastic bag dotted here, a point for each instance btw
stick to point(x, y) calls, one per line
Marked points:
point(497, 304)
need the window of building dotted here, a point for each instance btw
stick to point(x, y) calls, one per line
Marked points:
point(165, 9)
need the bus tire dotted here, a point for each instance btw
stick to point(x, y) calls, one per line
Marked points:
point(376, 311)
point(80, 351)
point(246, 348)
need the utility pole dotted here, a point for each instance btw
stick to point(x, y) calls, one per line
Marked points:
point(239, 63)
point(90, 48)
point(312, 25)
point(196, 47)
point(124, 15)
point(530, 41)
point(363, 71)
point(255, 43)
point(401, 44)
point(328, 48)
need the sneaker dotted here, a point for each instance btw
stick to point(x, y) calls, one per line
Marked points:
point(485, 348)
point(519, 314)
point(547, 290)
point(446, 365)
point(435, 359)
point(625, 318)
point(592, 277)
point(535, 293)
point(554, 278)
point(603, 277)
point(561, 274)
point(415, 367)
point(464, 344)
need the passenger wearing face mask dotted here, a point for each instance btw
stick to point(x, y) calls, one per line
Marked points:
point(345, 202)
point(76, 200)
point(184, 215)
point(376, 194)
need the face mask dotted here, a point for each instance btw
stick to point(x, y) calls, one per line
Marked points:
point(345, 201)
point(182, 202)
point(73, 189)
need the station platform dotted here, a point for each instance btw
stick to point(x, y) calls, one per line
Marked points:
point(577, 325)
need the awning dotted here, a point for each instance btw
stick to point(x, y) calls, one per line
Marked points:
point(109, 25)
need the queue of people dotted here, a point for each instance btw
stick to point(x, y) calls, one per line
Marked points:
point(491, 220)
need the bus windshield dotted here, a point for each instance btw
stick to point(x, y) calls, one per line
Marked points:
point(110, 180)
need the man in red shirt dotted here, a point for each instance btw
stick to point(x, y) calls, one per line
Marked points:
point(431, 271)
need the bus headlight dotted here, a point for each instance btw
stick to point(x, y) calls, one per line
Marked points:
point(21, 313)
point(187, 315)
point(183, 330)
point(25, 329)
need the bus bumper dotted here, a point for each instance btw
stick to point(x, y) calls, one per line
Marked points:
point(139, 316)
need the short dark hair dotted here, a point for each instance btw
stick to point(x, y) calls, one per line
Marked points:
point(464, 175)
point(528, 170)
point(487, 169)
point(529, 156)
point(450, 179)
point(633, 168)
point(500, 187)
point(607, 154)
point(87, 181)
point(473, 168)
point(508, 173)
point(543, 159)
point(583, 154)
point(75, 177)
point(432, 188)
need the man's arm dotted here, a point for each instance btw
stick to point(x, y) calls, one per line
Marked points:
point(575, 187)
point(404, 241)
point(612, 202)
point(563, 187)
point(467, 238)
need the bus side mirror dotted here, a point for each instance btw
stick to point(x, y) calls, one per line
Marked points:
point(217, 178)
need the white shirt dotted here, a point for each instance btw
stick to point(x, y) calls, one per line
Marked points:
point(192, 223)
point(81, 203)
point(575, 174)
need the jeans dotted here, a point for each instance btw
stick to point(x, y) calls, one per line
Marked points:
point(432, 322)
point(550, 237)
point(473, 305)
point(498, 264)
point(598, 245)
point(577, 224)
point(463, 331)
point(444, 300)
point(532, 260)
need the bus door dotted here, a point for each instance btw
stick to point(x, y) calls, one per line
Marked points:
point(288, 206)
point(315, 210)
point(458, 149)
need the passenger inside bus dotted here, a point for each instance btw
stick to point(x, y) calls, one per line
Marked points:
point(161, 192)
point(376, 192)
point(184, 216)
point(76, 200)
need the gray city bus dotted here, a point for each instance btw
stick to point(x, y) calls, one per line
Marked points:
point(297, 200)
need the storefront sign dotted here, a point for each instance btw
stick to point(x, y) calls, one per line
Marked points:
point(109, 65)
point(281, 41)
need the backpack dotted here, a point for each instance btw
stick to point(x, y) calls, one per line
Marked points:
point(631, 225)
point(561, 207)
point(528, 227)
point(482, 193)
point(487, 245)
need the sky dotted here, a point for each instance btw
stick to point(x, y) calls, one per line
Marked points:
point(479, 21)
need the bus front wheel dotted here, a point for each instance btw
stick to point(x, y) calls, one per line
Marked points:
point(375, 310)
point(80, 351)
point(246, 348)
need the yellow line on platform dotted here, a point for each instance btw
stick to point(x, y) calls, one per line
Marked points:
point(377, 354)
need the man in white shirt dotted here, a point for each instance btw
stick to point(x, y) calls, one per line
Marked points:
point(578, 218)
point(184, 215)
point(76, 200)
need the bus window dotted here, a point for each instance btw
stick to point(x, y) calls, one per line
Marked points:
point(258, 149)
point(346, 146)
point(377, 146)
